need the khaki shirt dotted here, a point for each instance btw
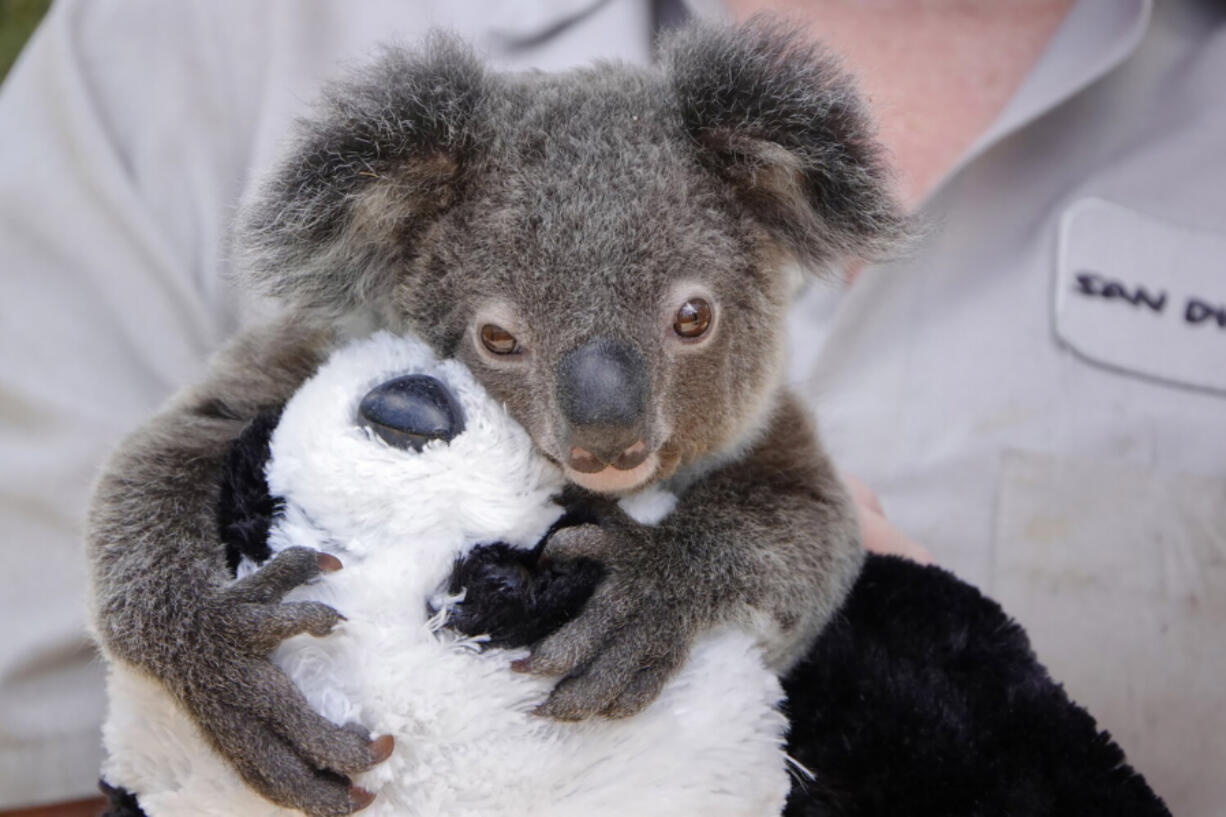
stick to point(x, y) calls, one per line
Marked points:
point(1008, 387)
point(1037, 390)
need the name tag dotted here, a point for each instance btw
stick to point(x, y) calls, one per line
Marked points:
point(1142, 296)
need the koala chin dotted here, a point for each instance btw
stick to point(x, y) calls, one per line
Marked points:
point(609, 251)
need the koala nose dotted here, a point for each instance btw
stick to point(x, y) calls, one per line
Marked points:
point(602, 383)
point(602, 394)
point(410, 411)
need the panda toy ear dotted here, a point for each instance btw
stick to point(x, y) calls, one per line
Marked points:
point(383, 157)
point(777, 118)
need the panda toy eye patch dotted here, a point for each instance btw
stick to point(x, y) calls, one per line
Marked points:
point(410, 411)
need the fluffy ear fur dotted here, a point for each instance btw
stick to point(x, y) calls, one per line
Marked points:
point(776, 116)
point(368, 175)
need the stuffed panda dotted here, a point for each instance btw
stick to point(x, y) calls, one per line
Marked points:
point(406, 470)
point(921, 697)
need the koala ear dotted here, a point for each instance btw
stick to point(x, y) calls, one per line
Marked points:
point(367, 176)
point(777, 118)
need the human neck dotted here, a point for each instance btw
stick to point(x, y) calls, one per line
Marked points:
point(936, 73)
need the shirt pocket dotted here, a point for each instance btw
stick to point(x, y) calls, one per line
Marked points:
point(1118, 574)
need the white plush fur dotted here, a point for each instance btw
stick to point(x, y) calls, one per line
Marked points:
point(466, 741)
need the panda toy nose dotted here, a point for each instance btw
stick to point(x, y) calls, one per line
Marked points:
point(410, 411)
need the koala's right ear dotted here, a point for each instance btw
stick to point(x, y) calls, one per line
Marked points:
point(332, 226)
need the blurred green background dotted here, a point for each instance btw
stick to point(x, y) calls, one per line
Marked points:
point(17, 21)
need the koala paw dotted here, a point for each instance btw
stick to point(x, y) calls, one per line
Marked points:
point(252, 713)
point(629, 639)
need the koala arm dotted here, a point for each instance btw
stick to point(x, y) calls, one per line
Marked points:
point(780, 530)
point(768, 543)
point(164, 602)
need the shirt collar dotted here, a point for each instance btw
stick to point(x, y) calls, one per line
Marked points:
point(523, 22)
point(1093, 40)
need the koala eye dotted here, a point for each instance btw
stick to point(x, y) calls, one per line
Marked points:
point(498, 340)
point(693, 318)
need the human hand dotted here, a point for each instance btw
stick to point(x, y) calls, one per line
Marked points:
point(876, 532)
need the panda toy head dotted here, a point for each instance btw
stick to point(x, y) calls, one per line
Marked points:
point(341, 478)
point(403, 467)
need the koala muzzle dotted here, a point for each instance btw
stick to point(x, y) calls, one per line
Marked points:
point(410, 411)
point(602, 394)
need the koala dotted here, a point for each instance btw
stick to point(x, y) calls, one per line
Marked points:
point(611, 252)
point(435, 501)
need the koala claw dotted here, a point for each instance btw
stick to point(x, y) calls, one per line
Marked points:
point(644, 688)
point(257, 620)
point(625, 644)
point(288, 569)
point(381, 748)
point(360, 798)
point(252, 712)
point(622, 681)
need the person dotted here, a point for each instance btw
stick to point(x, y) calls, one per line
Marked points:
point(1035, 388)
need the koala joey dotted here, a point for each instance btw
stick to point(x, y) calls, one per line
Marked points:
point(608, 250)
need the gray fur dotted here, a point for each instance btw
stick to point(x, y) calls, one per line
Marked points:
point(430, 195)
point(162, 600)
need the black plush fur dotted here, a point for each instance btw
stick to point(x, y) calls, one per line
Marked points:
point(516, 597)
point(245, 506)
point(923, 698)
point(519, 597)
point(119, 802)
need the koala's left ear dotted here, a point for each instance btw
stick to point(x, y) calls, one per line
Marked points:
point(335, 225)
point(776, 117)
